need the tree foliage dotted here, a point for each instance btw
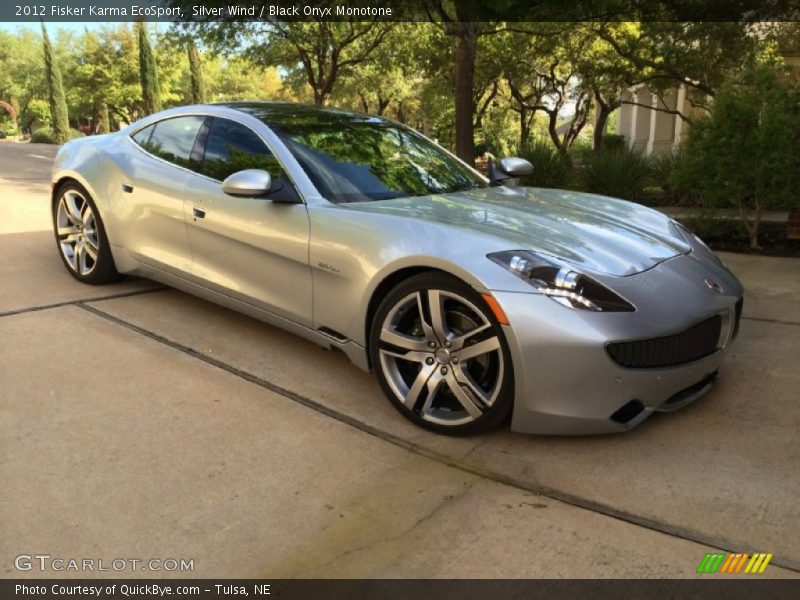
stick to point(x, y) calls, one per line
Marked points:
point(55, 91)
point(148, 73)
point(744, 154)
point(198, 86)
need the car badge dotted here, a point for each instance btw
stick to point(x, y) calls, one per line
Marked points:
point(712, 284)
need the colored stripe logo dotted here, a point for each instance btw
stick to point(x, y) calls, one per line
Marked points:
point(734, 563)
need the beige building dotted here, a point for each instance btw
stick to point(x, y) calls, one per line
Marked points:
point(647, 127)
point(654, 131)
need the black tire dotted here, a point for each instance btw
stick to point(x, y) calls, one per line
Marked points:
point(445, 409)
point(86, 269)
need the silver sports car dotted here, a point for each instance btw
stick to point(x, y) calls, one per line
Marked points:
point(473, 301)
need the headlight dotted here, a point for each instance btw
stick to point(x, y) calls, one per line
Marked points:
point(560, 282)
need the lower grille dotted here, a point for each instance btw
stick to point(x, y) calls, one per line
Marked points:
point(694, 343)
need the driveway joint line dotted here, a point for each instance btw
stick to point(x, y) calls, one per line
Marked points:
point(545, 492)
point(27, 309)
point(767, 320)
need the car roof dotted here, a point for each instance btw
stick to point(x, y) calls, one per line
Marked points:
point(284, 113)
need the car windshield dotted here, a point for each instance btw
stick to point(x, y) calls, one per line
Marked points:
point(361, 161)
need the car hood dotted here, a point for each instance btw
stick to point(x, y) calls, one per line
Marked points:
point(594, 233)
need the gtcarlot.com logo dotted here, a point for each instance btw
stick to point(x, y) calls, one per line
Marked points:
point(734, 563)
point(45, 562)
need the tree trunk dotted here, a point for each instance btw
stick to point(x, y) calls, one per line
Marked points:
point(105, 121)
point(524, 127)
point(321, 96)
point(552, 130)
point(466, 39)
point(603, 112)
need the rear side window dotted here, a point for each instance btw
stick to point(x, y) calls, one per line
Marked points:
point(232, 147)
point(171, 139)
point(142, 137)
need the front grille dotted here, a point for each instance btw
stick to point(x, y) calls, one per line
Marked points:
point(694, 343)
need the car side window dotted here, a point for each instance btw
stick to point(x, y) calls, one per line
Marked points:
point(142, 137)
point(232, 147)
point(171, 139)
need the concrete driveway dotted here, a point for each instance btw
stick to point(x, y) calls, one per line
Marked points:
point(139, 422)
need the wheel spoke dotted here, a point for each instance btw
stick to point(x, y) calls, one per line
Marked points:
point(73, 212)
point(463, 398)
point(433, 385)
point(438, 318)
point(67, 231)
point(80, 258)
point(458, 342)
point(86, 214)
point(424, 319)
point(91, 241)
point(484, 347)
point(71, 238)
point(90, 250)
point(465, 380)
point(420, 381)
point(411, 356)
point(401, 340)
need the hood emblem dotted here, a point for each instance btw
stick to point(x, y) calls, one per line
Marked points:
point(712, 284)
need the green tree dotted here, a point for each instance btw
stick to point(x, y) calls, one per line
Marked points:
point(744, 154)
point(313, 54)
point(55, 88)
point(148, 73)
point(196, 73)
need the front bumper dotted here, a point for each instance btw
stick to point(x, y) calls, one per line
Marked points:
point(566, 381)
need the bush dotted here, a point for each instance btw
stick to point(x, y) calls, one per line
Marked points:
point(744, 155)
point(551, 168)
point(614, 141)
point(665, 190)
point(45, 135)
point(617, 172)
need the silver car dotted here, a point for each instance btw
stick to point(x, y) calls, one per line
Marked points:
point(473, 301)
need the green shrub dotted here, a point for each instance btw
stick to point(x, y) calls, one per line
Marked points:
point(618, 172)
point(551, 168)
point(45, 135)
point(744, 156)
point(665, 191)
point(613, 141)
point(711, 229)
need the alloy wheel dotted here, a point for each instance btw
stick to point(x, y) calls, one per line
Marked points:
point(441, 357)
point(76, 229)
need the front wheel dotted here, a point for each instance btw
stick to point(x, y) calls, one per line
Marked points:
point(441, 357)
point(81, 237)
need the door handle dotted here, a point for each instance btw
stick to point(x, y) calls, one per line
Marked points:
point(198, 213)
point(127, 188)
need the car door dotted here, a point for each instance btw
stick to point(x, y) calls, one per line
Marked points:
point(253, 249)
point(151, 207)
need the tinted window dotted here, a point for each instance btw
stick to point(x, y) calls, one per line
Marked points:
point(231, 147)
point(172, 139)
point(142, 136)
point(356, 161)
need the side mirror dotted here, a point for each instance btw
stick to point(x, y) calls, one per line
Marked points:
point(249, 183)
point(508, 168)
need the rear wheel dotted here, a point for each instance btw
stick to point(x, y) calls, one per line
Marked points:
point(441, 356)
point(80, 236)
